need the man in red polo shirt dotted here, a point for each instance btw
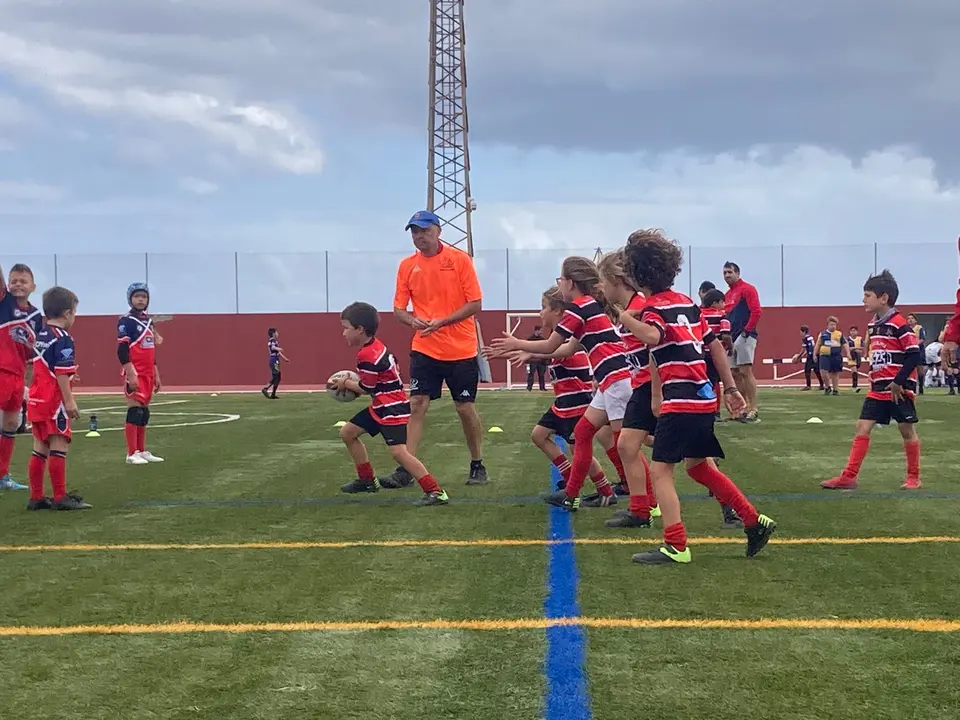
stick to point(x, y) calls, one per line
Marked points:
point(743, 309)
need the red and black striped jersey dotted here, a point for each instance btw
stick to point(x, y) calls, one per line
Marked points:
point(380, 377)
point(890, 340)
point(719, 324)
point(637, 353)
point(572, 385)
point(684, 333)
point(586, 321)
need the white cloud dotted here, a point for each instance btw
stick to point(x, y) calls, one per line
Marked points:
point(116, 87)
point(29, 192)
point(198, 186)
point(809, 196)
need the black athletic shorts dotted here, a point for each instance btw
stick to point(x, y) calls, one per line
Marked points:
point(685, 435)
point(392, 434)
point(427, 376)
point(883, 411)
point(562, 427)
point(639, 414)
point(831, 363)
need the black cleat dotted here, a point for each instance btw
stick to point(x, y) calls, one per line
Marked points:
point(41, 504)
point(599, 500)
point(433, 498)
point(265, 392)
point(759, 535)
point(359, 486)
point(561, 484)
point(666, 555)
point(478, 473)
point(399, 479)
point(621, 489)
point(562, 500)
point(71, 501)
point(731, 521)
point(627, 520)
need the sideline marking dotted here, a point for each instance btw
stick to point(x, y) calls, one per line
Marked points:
point(218, 418)
point(927, 625)
point(478, 543)
point(831, 495)
point(86, 411)
point(566, 695)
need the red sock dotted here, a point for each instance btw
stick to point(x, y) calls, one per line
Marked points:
point(562, 465)
point(725, 492)
point(639, 505)
point(141, 437)
point(858, 452)
point(614, 455)
point(58, 474)
point(6, 451)
point(599, 477)
point(648, 481)
point(35, 471)
point(365, 472)
point(676, 536)
point(912, 449)
point(583, 434)
point(130, 433)
point(428, 484)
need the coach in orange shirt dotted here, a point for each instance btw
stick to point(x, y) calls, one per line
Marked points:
point(441, 284)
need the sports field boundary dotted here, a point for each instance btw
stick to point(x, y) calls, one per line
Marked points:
point(566, 696)
point(452, 543)
point(186, 627)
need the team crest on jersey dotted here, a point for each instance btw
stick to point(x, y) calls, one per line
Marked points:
point(147, 341)
point(20, 335)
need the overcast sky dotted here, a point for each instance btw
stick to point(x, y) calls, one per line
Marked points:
point(299, 124)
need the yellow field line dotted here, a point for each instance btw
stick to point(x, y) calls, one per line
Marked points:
point(184, 627)
point(482, 542)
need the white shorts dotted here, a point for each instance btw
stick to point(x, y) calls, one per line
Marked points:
point(613, 401)
point(744, 349)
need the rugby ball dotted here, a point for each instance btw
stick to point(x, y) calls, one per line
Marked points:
point(343, 395)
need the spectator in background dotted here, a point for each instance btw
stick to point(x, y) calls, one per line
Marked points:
point(951, 333)
point(705, 287)
point(743, 310)
point(537, 366)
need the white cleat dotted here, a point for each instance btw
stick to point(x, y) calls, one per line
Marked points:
point(135, 459)
point(149, 456)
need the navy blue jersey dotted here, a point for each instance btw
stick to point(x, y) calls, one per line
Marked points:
point(19, 325)
point(56, 356)
point(808, 345)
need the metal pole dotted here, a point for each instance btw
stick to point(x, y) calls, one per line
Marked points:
point(507, 274)
point(56, 270)
point(783, 280)
point(236, 280)
point(326, 277)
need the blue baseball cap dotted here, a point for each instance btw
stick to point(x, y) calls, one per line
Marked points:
point(423, 219)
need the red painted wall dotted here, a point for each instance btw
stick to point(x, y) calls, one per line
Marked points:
point(230, 350)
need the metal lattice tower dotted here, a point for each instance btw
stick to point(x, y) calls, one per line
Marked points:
point(448, 154)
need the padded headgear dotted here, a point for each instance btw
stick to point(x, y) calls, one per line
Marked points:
point(135, 288)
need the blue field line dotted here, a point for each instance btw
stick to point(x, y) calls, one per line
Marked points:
point(410, 499)
point(564, 668)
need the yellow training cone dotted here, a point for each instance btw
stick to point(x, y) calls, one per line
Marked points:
point(92, 434)
point(495, 429)
point(340, 424)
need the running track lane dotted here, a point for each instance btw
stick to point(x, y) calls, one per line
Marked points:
point(564, 668)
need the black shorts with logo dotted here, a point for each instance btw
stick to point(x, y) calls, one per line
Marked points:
point(427, 376)
point(392, 434)
point(883, 411)
point(831, 363)
point(639, 413)
point(685, 435)
point(561, 426)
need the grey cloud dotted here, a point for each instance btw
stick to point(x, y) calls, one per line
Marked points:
point(614, 75)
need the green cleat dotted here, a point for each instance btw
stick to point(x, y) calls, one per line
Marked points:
point(666, 555)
